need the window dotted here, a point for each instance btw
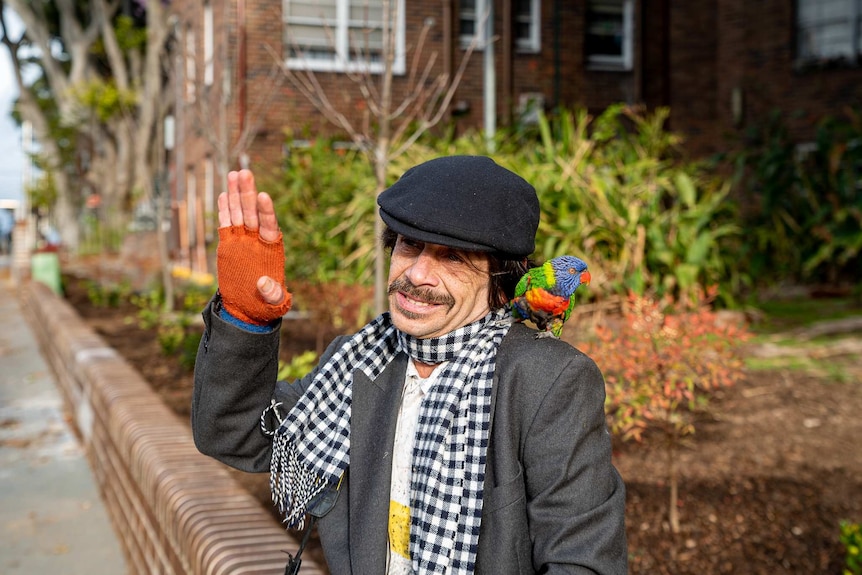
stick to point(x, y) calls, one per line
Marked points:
point(527, 14)
point(609, 34)
point(472, 22)
point(341, 35)
point(828, 30)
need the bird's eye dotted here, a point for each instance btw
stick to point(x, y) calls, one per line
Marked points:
point(572, 271)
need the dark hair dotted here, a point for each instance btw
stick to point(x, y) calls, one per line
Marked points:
point(504, 273)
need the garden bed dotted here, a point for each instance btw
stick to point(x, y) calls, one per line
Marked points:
point(765, 481)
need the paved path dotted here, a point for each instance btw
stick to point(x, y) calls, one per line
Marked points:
point(51, 517)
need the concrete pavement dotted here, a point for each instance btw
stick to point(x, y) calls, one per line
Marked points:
point(52, 519)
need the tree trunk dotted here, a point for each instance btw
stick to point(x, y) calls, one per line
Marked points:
point(673, 468)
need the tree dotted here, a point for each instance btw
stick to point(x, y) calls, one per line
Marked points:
point(661, 366)
point(46, 101)
point(98, 86)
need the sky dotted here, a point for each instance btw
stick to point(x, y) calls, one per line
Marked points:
point(11, 153)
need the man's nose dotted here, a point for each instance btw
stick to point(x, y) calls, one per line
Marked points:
point(423, 269)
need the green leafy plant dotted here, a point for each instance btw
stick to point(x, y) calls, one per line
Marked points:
point(108, 295)
point(662, 361)
point(150, 306)
point(189, 347)
point(176, 334)
point(171, 335)
point(324, 202)
point(802, 216)
point(851, 538)
point(613, 189)
point(832, 176)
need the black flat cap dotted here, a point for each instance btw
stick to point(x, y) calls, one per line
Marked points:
point(464, 202)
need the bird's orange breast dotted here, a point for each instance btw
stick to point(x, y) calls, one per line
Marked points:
point(544, 300)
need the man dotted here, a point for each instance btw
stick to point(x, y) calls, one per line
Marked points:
point(457, 441)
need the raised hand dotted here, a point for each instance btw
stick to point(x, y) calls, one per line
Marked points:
point(250, 253)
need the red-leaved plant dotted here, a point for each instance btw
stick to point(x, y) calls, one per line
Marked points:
point(662, 362)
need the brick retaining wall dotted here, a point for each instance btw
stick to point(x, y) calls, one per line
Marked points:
point(174, 510)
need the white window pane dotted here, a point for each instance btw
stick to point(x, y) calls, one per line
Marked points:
point(309, 35)
point(835, 9)
point(321, 9)
point(366, 11)
point(825, 28)
point(366, 45)
point(340, 34)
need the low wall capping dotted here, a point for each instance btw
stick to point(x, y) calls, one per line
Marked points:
point(174, 510)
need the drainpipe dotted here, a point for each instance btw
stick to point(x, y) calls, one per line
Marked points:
point(490, 84)
point(556, 53)
point(506, 55)
point(447, 39)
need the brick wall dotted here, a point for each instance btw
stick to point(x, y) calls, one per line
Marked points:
point(692, 56)
point(175, 511)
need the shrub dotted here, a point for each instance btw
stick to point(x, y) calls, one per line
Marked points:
point(107, 295)
point(662, 364)
point(803, 205)
point(324, 201)
point(614, 191)
point(851, 538)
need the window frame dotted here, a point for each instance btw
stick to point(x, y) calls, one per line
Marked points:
point(533, 43)
point(479, 34)
point(805, 56)
point(612, 62)
point(340, 61)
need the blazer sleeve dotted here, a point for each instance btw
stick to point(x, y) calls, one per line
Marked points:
point(234, 382)
point(575, 497)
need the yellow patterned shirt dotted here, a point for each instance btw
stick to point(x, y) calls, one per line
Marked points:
point(415, 389)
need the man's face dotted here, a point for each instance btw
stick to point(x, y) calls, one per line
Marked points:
point(435, 289)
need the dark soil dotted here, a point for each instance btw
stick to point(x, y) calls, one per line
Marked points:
point(765, 481)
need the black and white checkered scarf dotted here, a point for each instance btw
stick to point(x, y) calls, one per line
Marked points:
point(311, 447)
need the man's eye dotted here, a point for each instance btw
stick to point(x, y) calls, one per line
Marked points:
point(454, 257)
point(411, 244)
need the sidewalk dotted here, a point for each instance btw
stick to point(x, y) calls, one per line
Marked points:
point(52, 519)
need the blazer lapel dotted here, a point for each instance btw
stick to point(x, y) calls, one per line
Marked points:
point(374, 414)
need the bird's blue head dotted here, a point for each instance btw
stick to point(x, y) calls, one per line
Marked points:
point(570, 272)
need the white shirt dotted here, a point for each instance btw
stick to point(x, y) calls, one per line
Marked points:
point(415, 388)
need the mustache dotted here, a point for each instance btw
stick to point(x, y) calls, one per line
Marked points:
point(406, 287)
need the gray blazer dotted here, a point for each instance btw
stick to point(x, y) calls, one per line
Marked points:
point(553, 501)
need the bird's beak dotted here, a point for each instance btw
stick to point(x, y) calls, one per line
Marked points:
point(586, 277)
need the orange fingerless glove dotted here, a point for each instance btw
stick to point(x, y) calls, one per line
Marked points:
point(242, 258)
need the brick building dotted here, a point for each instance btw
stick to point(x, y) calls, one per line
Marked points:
point(720, 65)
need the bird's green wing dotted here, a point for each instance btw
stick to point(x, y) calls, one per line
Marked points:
point(569, 309)
point(534, 278)
point(523, 284)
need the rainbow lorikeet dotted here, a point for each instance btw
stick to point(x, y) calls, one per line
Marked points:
point(546, 294)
